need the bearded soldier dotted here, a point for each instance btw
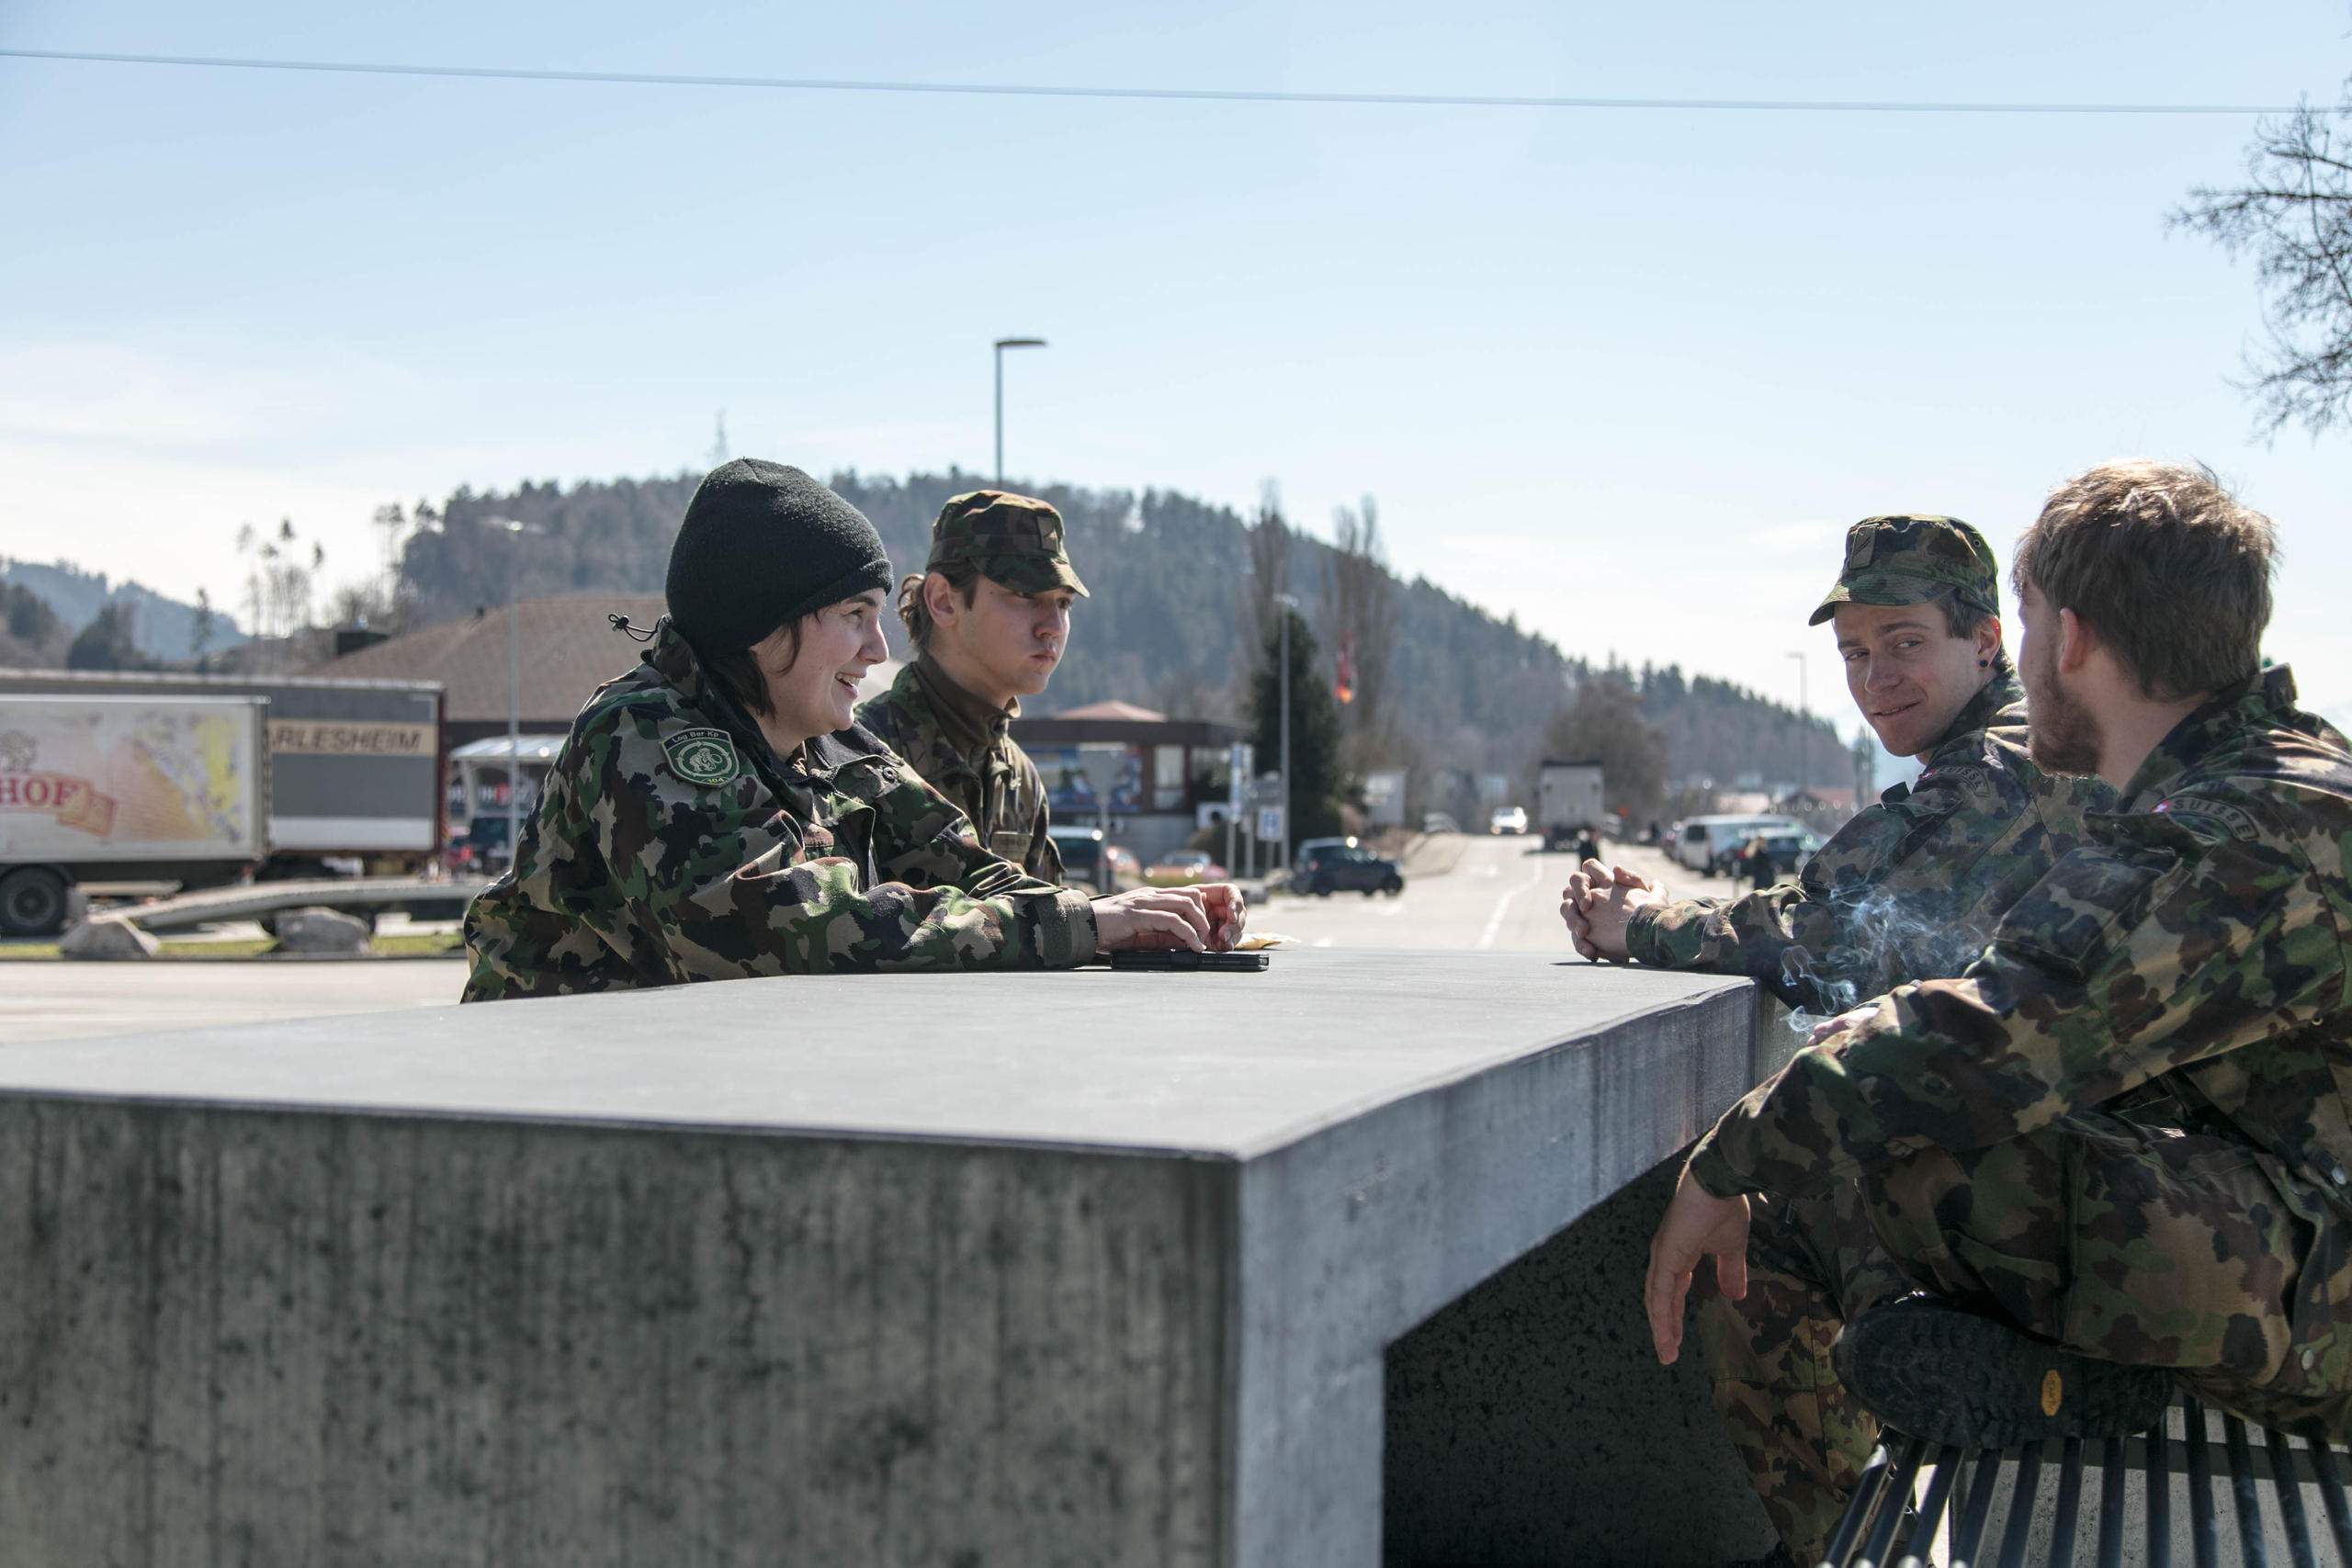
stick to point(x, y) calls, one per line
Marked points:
point(716, 813)
point(988, 616)
point(2114, 1151)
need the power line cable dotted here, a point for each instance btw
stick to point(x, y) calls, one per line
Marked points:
point(1182, 94)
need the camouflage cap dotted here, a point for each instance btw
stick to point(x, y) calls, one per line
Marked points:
point(1015, 540)
point(1909, 559)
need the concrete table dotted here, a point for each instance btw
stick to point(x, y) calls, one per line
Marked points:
point(957, 1269)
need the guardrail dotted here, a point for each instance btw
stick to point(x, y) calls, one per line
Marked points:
point(252, 900)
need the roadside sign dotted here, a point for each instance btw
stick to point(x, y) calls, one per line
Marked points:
point(1269, 822)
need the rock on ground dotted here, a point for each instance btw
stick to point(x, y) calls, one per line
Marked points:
point(107, 937)
point(320, 930)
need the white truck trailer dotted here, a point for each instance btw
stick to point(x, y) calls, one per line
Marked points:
point(1567, 801)
point(358, 769)
point(129, 789)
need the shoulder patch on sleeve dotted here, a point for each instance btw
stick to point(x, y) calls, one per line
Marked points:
point(2234, 820)
point(702, 756)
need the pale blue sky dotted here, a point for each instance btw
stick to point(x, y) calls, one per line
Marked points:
point(1627, 375)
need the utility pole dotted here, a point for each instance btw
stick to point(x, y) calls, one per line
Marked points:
point(514, 697)
point(1805, 729)
point(1285, 604)
point(1001, 344)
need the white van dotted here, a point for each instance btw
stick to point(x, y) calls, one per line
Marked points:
point(1708, 843)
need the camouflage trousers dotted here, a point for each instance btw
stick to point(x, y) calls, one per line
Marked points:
point(2140, 1245)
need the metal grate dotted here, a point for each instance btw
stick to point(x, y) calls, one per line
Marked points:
point(1922, 1503)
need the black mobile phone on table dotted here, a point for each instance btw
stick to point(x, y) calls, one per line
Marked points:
point(1183, 959)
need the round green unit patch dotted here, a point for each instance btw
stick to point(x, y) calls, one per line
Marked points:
point(702, 756)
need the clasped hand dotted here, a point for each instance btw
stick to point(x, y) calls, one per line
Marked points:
point(1599, 902)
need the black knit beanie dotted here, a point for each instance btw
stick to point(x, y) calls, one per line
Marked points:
point(763, 544)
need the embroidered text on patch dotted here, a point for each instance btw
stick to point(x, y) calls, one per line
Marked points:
point(702, 756)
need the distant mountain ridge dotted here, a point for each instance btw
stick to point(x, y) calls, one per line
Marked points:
point(163, 627)
point(1467, 690)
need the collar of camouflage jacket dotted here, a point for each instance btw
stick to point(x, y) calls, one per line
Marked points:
point(2265, 700)
point(970, 725)
point(1988, 708)
point(674, 659)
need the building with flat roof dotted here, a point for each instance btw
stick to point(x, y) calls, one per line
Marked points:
point(1174, 775)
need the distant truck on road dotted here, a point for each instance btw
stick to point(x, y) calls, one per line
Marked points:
point(358, 769)
point(1568, 802)
point(129, 788)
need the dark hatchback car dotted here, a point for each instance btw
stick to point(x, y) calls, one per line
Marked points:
point(1326, 869)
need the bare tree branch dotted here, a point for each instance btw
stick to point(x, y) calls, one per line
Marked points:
point(2294, 216)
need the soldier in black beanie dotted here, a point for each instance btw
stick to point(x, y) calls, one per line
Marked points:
point(763, 544)
point(716, 813)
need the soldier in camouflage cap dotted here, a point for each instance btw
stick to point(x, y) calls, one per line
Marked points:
point(716, 813)
point(990, 619)
point(1909, 888)
point(2114, 1151)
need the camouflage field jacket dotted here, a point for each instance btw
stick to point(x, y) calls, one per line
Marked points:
point(965, 751)
point(1909, 889)
point(673, 845)
point(2191, 949)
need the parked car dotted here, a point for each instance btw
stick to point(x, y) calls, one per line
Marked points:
point(1182, 869)
point(1327, 866)
point(1711, 844)
point(1508, 820)
point(1790, 850)
point(1085, 856)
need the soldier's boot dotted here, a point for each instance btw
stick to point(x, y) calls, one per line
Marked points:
point(1939, 1371)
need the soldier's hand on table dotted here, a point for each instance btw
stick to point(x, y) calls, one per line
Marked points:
point(1605, 897)
point(1154, 917)
point(1228, 913)
point(1697, 1224)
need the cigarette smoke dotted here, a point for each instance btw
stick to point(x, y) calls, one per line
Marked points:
point(1885, 939)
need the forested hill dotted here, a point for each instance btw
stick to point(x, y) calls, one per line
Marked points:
point(1168, 576)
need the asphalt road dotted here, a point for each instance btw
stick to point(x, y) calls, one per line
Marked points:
point(1501, 893)
point(1466, 892)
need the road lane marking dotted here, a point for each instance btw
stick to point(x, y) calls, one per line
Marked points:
point(1502, 904)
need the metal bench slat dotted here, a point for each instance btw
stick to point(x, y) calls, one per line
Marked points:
point(1984, 1480)
point(2287, 1487)
point(1890, 1514)
point(2070, 1504)
point(2331, 1496)
point(2200, 1489)
point(2159, 1496)
point(2110, 1504)
point(2243, 1492)
point(2021, 1499)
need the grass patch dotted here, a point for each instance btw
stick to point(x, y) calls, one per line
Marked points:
point(439, 944)
point(434, 944)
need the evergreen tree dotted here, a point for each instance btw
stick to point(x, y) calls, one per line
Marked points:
point(1315, 780)
point(107, 644)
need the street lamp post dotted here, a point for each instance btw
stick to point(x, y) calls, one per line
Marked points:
point(1805, 728)
point(1284, 603)
point(1001, 344)
point(513, 701)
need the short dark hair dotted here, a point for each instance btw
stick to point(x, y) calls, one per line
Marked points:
point(1962, 616)
point(2163, 565)
point(737, 673)
point(962, 576)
